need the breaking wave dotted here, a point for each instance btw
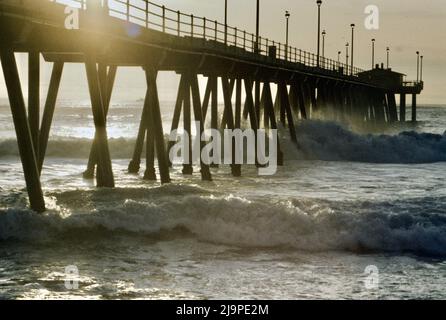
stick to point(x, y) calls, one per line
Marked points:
point(317, 140)
point(331, 142)
point(416, 226)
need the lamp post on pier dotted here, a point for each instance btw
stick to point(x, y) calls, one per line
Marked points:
point(418, 66)
point(373, 53)
point(388, 57)
point(347, 45)
point(257, 27)
point(353, 38)
point(287, 17)
point(319, 3)
point(324, 33)
point(226, 21)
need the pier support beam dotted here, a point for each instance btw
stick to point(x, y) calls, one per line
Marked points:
point(414, 108)
point(22, 128)
point(155, 125)
point(301, 99)
point(107, 77)
point(198, 115)
point(34, 97)
point(297, 100)
point(314, 106)
point(228, 114)
point(104, 175)
point(257, 85)
point(392, 107)
point(151, 131)
point(231, 93)
point(271, 117)
point(211, 97)
point(286, 107)
point(177, 112)
point(150, 173)
point(237, 168)
point(187, 124)
point(48, 111)
point(378, 106)
point(403, 107)
point(189, 89)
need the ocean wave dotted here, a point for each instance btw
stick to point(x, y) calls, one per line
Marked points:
point(416, 226)
point(317, 140)
point(76, 148)
point(329, 141)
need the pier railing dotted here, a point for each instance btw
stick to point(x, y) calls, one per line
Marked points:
point(158, 17)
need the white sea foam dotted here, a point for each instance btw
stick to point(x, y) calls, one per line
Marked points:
point(331, 142)
point(309, 225)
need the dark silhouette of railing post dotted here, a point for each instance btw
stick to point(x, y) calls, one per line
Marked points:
point(226, 21)
point(147, 14)
point(164, 19)
point(179, 23)
point(235, 37)
point(128, 10)
point(244, 40)
point(216, 30)
point(192, 25)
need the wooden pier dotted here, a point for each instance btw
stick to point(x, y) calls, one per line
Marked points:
point(157, 39)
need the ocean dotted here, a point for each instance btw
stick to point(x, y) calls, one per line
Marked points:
point(351, 215)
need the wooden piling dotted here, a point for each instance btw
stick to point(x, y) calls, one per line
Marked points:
point(301, 99)
point(269, 109)
point(207, 98)
point(229, 123)
point(403, 107)
point(214, 107)
point(414, 108)
point(187, 119)
point(205, 172)
point(22, 128)
point(135, 163)
point(107, 78)
point(392, 107)
point(157, 131)
point(150, 173)
point(104, 175)
point(285, 105)
point(48, 111)
point(34, 97)
point(177, 112)
point(237, 168)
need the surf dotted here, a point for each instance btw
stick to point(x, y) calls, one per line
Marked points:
point(415, 226)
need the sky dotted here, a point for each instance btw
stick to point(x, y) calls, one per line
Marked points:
point(405, 26)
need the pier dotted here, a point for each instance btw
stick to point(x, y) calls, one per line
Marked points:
point(157, 39)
